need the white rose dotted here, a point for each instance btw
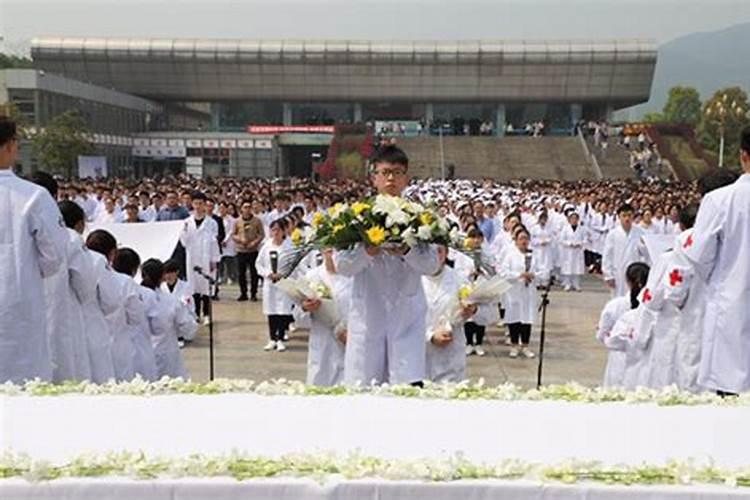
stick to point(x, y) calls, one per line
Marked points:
point(424, 233)
point(410, 237)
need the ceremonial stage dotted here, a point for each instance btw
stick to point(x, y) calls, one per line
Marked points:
point(372, 446)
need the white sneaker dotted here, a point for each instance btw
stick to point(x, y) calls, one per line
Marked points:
point(479, 350)
point(567, 288)
point(527, 352)
point(206, 321)
point(181, 343)
point(508, 341)
point(292, 327)
point(286, 337)
point(513, 353)
point(469, 350)
point(270, 346)
point(280, 347)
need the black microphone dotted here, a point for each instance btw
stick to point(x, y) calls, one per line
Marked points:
point(274, 261)
point(199, 270)
point(527, 263)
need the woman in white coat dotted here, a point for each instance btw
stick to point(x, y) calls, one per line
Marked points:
point(445, 359)
point(572, 257)
point(99, 334)
point(126, 263)
point(277, 305)
point(542, 242)
point(615, 328)
point(327, 344)
point(524, 273)
point(65, 292)
point(167, 321)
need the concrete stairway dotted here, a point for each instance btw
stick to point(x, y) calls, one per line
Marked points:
point(500, 158)
point(615, 164)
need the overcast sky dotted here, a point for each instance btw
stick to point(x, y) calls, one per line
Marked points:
point(662, 20)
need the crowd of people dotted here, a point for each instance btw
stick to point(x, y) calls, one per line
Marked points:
point(392, 327)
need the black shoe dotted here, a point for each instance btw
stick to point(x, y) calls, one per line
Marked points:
point(242, 298)
point(253, 299)
point(215, 298)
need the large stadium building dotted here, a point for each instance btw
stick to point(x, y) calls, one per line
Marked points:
point(220, 88)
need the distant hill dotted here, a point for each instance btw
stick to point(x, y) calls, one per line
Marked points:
point(707, 61)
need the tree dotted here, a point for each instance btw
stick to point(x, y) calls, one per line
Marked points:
point(8, 61)
point(683, 106)
point(653, 118)
point(61, 142)
point(727, 110)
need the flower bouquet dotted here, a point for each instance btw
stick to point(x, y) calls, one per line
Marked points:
point(481, 292)
point(301, 290)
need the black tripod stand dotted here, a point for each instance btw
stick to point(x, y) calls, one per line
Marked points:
point(543, 308)
point(211, 282)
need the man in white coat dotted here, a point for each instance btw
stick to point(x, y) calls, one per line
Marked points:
point(387, 320)
point(720, 251)
point(199, 237)
point(31, 239)
point(622, 247)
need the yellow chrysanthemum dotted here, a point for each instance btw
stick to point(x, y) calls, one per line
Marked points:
point(297, 237)
point(337, 228)
point(360, 207)
point(468, 244)
point(376, 235)
point(318, 219)
point(425, 218)
point(463, 292)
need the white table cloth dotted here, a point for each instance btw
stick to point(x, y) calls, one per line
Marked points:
point(58, 428)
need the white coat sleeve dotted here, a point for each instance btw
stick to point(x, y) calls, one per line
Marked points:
point(607, 321)
point(110, 296)
point(45, 225)
point(677, 285)
point(608, 264)
point(702, 246)
point(621, 336)
point(486, 315)
point(506, 270)
point(82, 273)
point(423, 259)
point(186, 237)
point(352, 262)
point(263, 263)
point(135, 310)
point(215, 253)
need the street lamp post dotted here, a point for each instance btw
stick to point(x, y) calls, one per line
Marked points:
point(721, 110)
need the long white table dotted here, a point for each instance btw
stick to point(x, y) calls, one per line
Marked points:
point(59, 428)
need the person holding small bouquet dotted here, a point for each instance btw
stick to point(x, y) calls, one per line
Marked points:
point(328, 335)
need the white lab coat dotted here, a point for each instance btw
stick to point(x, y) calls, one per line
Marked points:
point(611, 313)
point(572, 262)
point(325, 356)
point(167, 321)
point(65, 293)
point(720, 251)
point(543, 245)
point(275, 301)
point(448, 363)
point(98, 335)
point(202, 250)
point(619, 340)
point(597, 231)
point(521, 302)
point(230, 248)
point(387, 319)
point(182, 293)
point(32, 247)
point(126, 322)
point(620, 250)
point(144, 363)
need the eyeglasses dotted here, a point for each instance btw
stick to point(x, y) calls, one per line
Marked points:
point(395, 172)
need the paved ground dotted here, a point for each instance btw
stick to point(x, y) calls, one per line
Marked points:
point(571, 352)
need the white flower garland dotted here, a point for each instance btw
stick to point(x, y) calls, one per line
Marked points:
point(324, 466)
point(466, 390)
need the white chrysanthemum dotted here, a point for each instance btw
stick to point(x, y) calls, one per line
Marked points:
point(424, 233)
point(410, 237)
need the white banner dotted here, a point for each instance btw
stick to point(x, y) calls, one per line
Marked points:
point(92, 166)
point(150, 240)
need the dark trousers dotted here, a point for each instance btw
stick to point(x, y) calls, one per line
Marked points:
point(520, 332)
point(179, 256)
point(201, 302)
point(245, 261)
point(474, 333)
point(278, 324)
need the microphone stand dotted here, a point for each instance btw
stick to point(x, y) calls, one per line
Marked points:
point(543, 309)
point(211, 282)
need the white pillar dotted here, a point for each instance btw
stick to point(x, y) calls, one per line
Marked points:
point(286, 114)
point(500, 120)
point(357, 112)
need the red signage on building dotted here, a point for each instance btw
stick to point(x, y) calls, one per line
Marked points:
point(282, 129)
